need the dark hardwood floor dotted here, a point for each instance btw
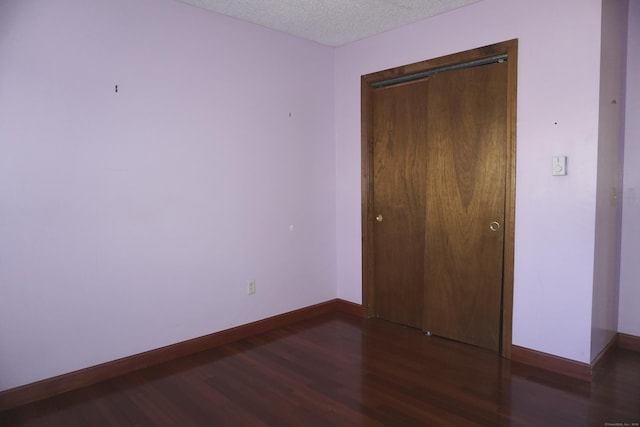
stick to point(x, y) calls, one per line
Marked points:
point(339, 370)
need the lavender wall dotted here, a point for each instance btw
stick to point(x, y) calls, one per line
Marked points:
point(629, 316)
point(132, 220)
point(558, 108)
point(604, 321)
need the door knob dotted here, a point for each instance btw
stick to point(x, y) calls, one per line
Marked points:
point(379, 217)
point(494, 226)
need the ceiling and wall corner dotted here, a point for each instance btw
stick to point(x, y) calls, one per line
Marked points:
point(330, 22)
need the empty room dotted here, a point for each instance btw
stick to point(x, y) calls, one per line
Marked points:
point(300, 213)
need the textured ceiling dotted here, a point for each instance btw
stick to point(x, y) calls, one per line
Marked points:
point(330, 22)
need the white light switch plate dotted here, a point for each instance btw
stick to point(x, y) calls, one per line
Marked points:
point(559, 166)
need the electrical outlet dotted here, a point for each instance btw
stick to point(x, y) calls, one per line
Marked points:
point(251, 287)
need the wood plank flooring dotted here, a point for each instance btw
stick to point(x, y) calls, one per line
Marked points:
point(340, 370)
